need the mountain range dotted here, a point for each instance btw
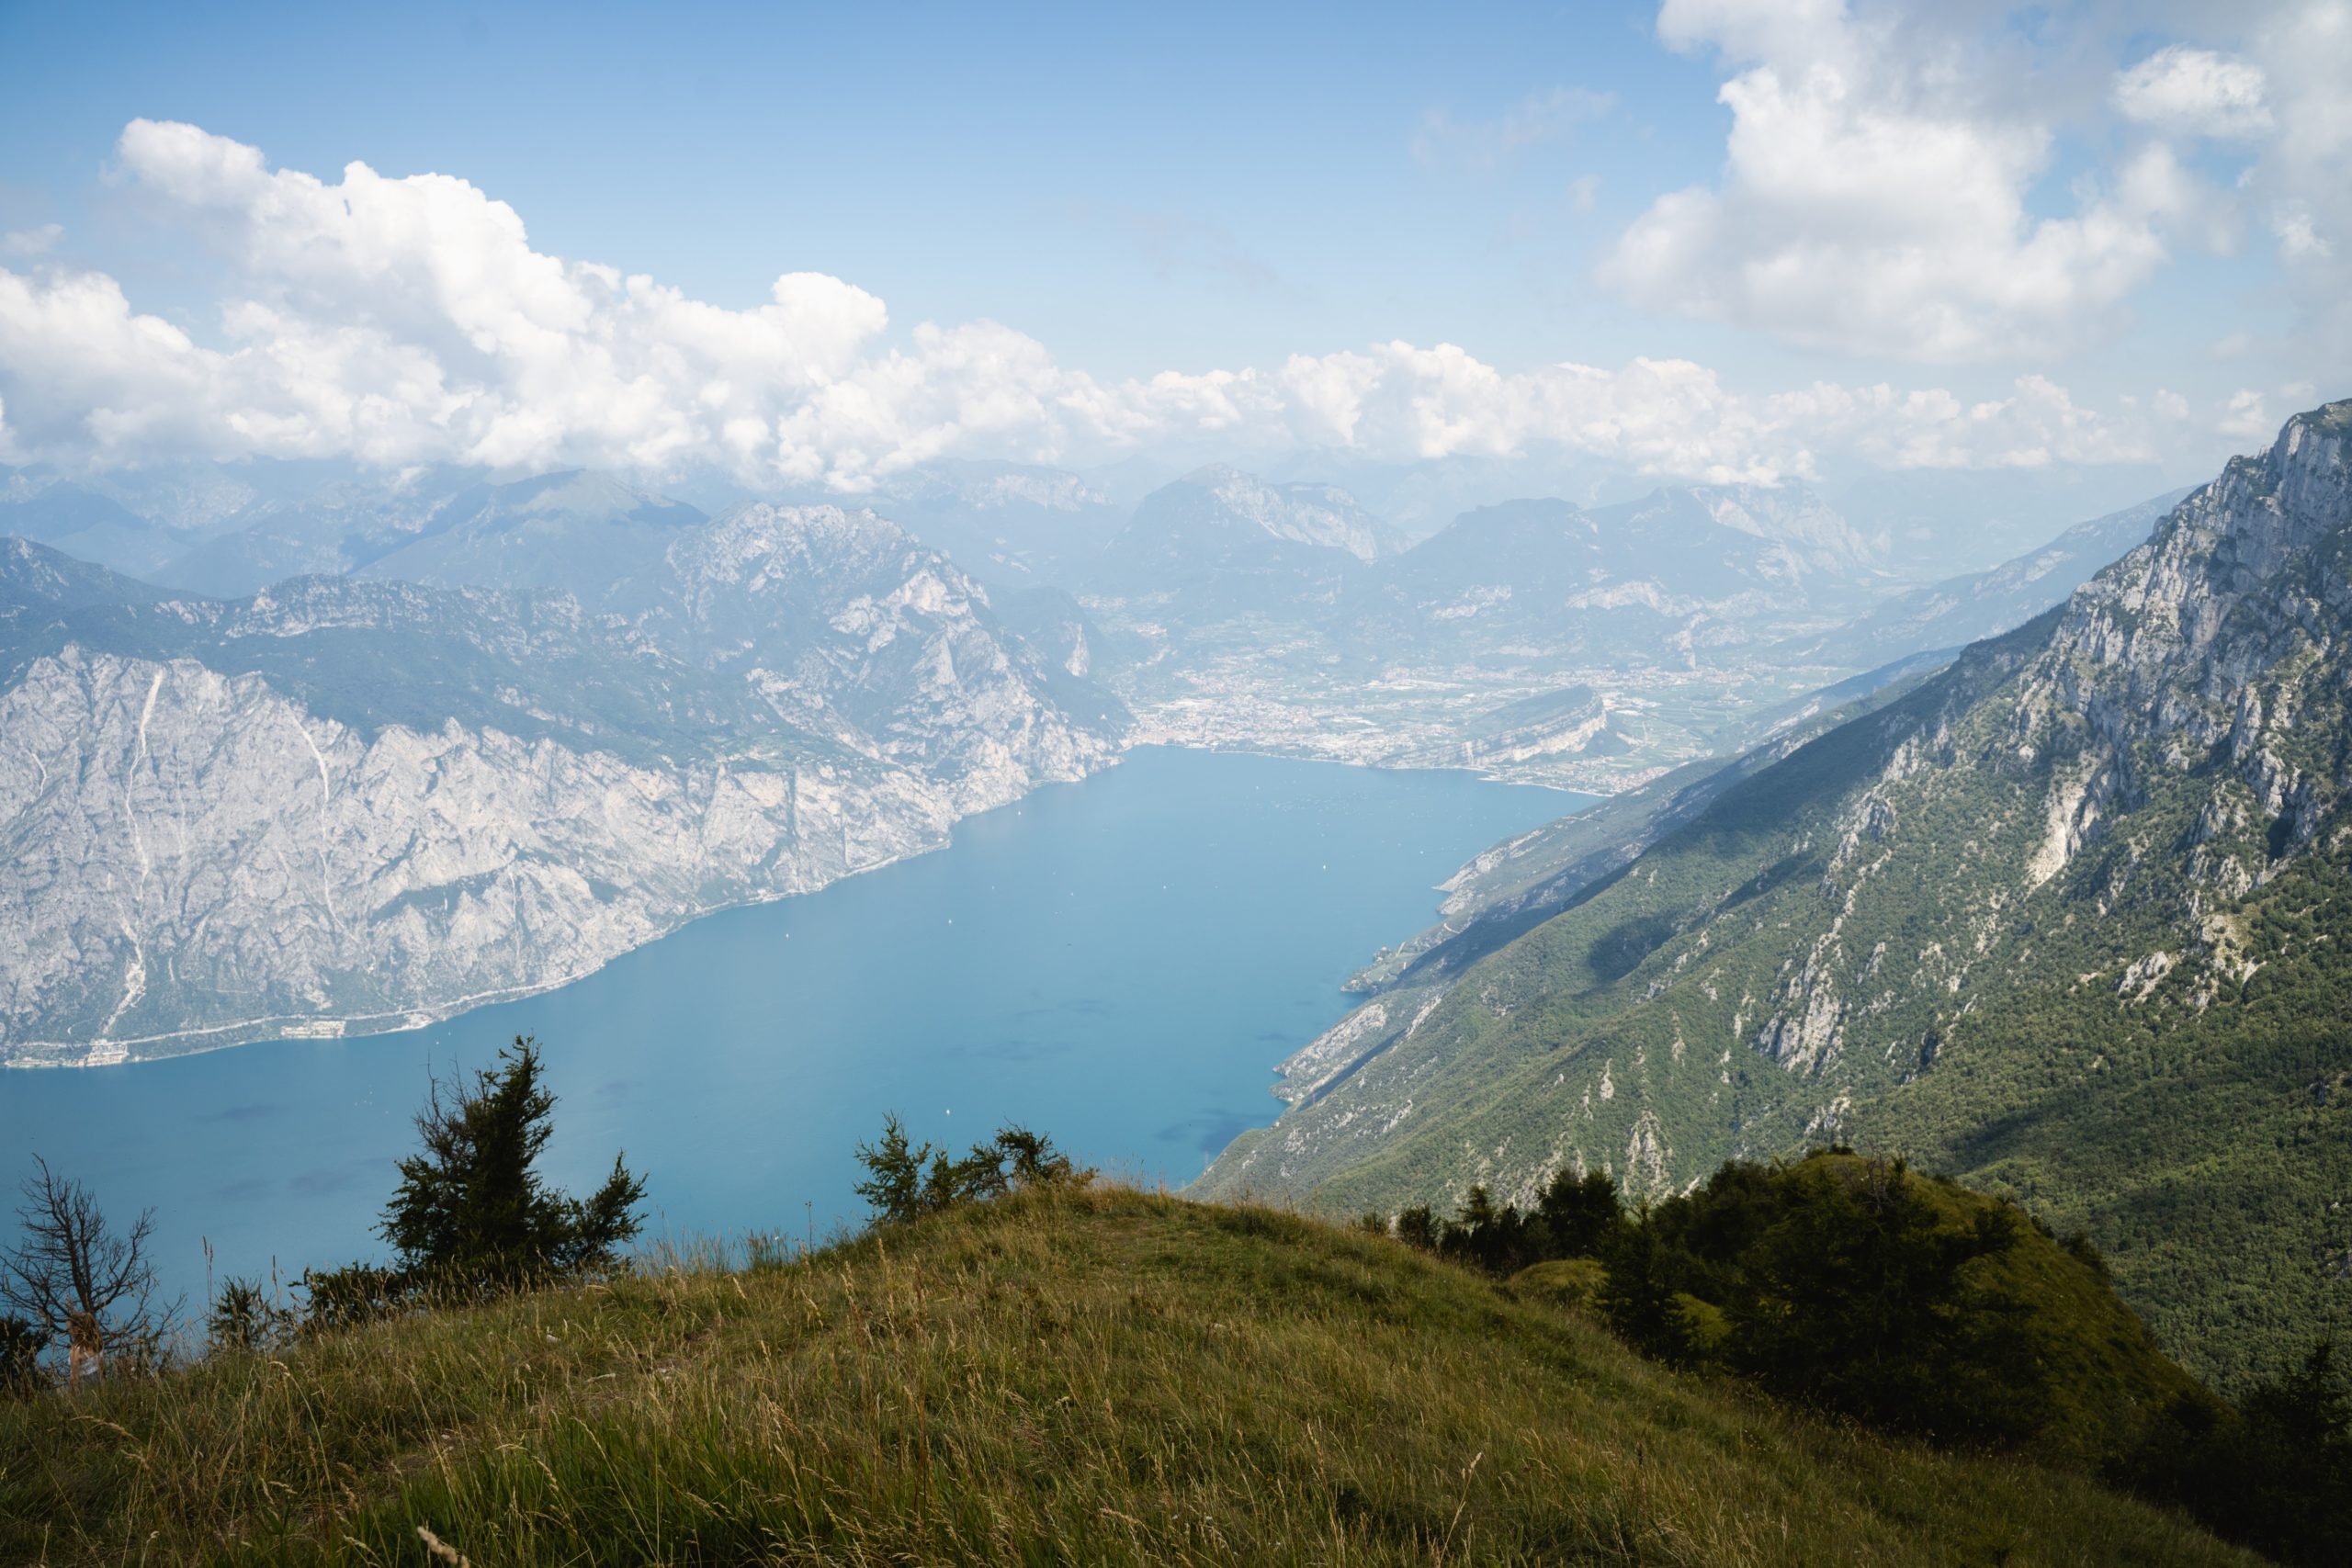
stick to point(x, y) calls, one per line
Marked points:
point(2062, 918)
point(1975, 605)
point(1225, 609)
point(340, 803)
point(359, 750)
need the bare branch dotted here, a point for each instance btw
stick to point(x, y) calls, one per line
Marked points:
point(77, 1280)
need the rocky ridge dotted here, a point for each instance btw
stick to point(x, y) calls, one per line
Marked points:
point(342, 806)
point(2030, 921)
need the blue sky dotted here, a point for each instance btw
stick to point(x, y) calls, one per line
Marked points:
point(1204, 190)
point(1041, 169)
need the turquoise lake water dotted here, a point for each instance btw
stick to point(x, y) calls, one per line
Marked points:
point(1118, 963)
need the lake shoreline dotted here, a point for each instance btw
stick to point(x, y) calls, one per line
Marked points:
point(59, 1056)
point(1120, 963)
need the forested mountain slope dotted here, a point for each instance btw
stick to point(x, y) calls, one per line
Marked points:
point(2066, 920)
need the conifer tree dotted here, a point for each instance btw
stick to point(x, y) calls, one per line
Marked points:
point(1578, 1214)
point(470, 1208)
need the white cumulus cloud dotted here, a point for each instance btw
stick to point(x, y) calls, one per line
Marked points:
point(1874, 198)
point(402, 320)
point(2195, 92)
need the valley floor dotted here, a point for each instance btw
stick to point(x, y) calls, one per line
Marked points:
point(1643, 722)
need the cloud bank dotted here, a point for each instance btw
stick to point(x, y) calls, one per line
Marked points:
point(1887, 183)
point(1875, 197)
point(405, 321)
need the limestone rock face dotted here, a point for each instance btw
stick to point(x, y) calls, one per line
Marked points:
point(842, 613)
point(341, 805)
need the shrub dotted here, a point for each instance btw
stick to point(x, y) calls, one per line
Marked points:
point(21, 1343)
point(248, 1317)
point(1853, 1297)
point(352, 1295)
point(1572, 1282)
point(906, 1180)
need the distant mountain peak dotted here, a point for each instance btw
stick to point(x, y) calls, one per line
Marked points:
point(1793, 515)
point(762, 526)
point(995, 486)
point(1302, 513)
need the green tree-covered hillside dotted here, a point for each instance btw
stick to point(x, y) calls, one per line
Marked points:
point(2066, 920)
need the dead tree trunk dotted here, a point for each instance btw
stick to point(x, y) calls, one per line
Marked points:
point(75, 1278)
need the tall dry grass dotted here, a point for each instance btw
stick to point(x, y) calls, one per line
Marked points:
point(1093, 1376)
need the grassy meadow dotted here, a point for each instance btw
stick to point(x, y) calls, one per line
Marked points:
point(1091, 1375)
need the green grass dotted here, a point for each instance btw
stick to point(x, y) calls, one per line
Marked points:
point(1100, 1376)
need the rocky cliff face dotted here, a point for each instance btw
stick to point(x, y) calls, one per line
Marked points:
point(1321, 515)
point(2066, 918)
point(343, 806)
point(1816, 538)
point(841, 618)
point(195, 860)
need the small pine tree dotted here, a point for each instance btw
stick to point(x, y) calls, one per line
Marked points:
point(894, 1185)
point(245, 1317)
point(355, 1295)
point(1639, 1299)
point(906, 1180)
point(1031, 1158)
point(470, 1208)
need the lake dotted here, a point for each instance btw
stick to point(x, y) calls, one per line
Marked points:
point(1118, 963)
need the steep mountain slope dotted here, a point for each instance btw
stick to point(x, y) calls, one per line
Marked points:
point(836, 615)
point(137, 520)
point(342, 806)
point(575, 530)
point(83, 524)
point(323, 529)
point(1013, 525)
point(1814, 538)
point(2064, 919)
point(1980, 604)
point(38, 584)
point(1679, 576)
point(1952, 522)
point(1098, 1377)
point(1515, 886)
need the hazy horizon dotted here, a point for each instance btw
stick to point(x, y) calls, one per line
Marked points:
point(1954, 254)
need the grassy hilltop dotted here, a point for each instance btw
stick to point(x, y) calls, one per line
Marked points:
point(1091, 1375)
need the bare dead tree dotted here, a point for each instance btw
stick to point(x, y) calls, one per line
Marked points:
point(77, 1280)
